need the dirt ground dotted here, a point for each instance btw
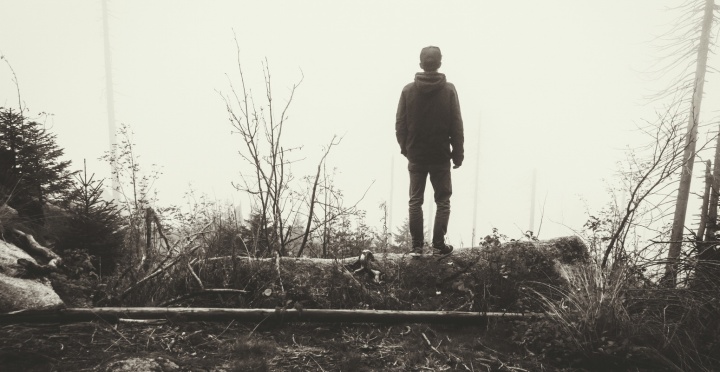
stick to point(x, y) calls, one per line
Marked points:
point(229, 346)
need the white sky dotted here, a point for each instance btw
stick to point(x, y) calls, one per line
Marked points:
point(552, 85)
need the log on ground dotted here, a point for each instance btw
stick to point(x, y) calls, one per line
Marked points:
point(114, 314)
point(487, 278)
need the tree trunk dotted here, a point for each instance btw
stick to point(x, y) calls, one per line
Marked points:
point(711, 224)
point(148, 231)
point(312, 207)
point(705, 205)
point(676, 236)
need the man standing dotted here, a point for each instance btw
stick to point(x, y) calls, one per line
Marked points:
point(429, 129)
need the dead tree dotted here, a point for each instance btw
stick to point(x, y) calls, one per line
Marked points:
point(260, 127)
point(704, 209)
point(678, 227)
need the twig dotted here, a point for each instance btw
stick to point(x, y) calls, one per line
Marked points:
point(542, 216)
point(157, 272)
point(226, 328)
point(258, 325)
point(160, 230)
point(318, 364)
point(516, 369)
point(493, 350)
point(189, 238)
point(116, 331)
point(197, 279)
point(15, 80)
point(142, 321)
point(429, 344)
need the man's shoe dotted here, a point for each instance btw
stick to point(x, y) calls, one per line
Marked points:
point(442, 250)
point(416, 252)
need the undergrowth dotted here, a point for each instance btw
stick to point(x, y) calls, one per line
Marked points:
point(608, 315)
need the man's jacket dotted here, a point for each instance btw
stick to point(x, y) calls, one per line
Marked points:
point(428, 124)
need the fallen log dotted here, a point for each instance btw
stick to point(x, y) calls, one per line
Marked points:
point(493, 277)
point(278, 315)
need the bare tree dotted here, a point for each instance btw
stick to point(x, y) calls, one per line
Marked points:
point(647, 176)
point(313, 197)
point(287, 214)
point(261, 130)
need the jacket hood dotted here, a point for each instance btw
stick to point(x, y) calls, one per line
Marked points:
point(428, 82)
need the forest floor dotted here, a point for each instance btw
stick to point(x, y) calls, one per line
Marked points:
point(231, 346)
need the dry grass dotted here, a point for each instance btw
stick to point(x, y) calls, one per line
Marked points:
point(591, 305)
point(604, 313)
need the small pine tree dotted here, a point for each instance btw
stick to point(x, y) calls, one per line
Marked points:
point(255, 235)
point(36, 174)
point(93, 228)
point(402, 238)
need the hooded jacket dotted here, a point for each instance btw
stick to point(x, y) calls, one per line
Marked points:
point(428, 124)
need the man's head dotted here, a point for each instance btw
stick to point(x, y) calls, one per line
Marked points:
point(430, 59)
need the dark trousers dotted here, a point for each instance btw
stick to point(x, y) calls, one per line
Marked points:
point(442, 185)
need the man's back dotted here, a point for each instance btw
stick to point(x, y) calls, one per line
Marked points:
point(428, 120)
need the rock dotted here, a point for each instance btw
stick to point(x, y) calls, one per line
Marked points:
point(9, 256)
point(158, 362)
point(18, 293)
point(145, 364)
point(24, 294)
point(7, 213)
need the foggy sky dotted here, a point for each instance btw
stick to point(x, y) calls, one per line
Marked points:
point(554, 86)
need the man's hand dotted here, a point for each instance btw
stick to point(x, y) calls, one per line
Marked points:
point(456, 166)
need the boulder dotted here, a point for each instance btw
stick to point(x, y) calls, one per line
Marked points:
point(9, 256)
point(18, 293)
point(142, 363)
